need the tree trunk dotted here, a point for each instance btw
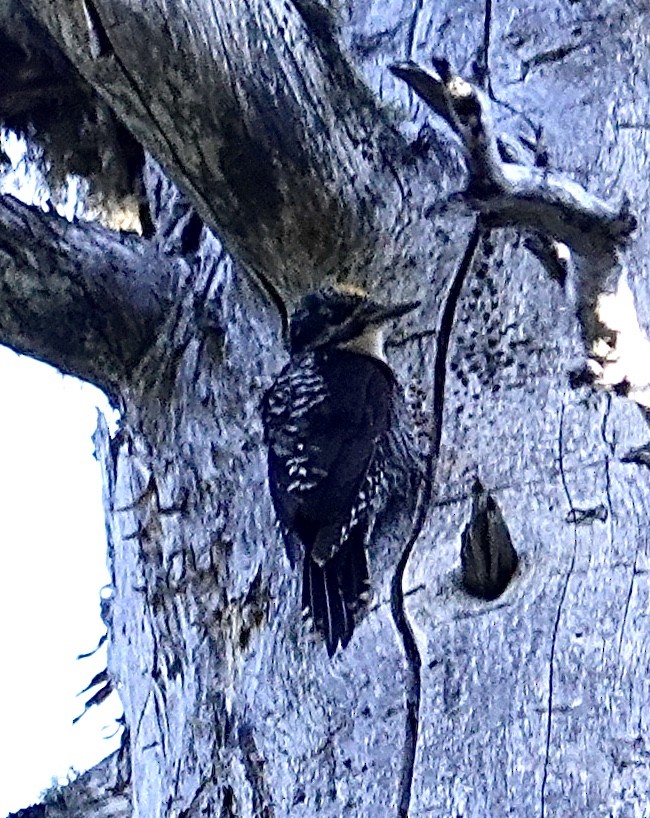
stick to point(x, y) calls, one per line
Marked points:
point(310, 162)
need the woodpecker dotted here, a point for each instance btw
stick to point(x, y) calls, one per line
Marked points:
point(337, 449)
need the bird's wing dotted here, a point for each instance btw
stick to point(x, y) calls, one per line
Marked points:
point(287, 408)
point(325, 418)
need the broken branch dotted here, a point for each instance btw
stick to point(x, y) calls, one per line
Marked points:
point(557, 212)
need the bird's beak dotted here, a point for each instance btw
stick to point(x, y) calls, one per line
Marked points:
point(377, 314)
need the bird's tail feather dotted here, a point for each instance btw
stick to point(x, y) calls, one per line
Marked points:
point(335, 593)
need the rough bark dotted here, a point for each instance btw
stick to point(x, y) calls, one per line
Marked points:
point(254, 134)
point(84, 299)
point(533, 704)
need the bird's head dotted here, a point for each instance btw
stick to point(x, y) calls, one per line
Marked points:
point(339, 317)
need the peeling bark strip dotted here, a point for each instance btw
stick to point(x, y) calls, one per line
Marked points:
point(77, 296)
point(99, 41)
point(534, 200)
point(254, 766)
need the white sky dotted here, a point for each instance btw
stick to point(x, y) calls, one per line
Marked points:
point(52, 568)
point(53, 557)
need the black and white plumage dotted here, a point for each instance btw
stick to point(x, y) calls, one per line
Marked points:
point(331, 423)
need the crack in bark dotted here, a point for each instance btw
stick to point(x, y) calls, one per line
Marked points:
point(487, 31)
point(320, 21)
point(410, 338)
point(228, 803)
point(364, 45)
point(630, 590)
point(196, 798)
point(398, 610)
point(482, 64)
point(410, 34)
point(99, 42)
point(611, 446)
point(254, 767)
point(556, 624)
point(550, 56)
point(141, 715)
point(628, 599)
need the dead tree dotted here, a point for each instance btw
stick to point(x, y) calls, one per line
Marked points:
point(279, 154)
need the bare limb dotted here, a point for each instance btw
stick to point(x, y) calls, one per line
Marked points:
point(508, 193)
point(555, 211)
point(285, 163)
point(78, 296)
